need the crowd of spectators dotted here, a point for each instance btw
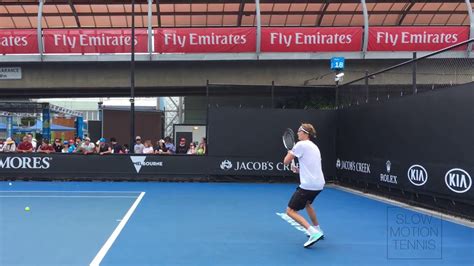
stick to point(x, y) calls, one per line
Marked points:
point(166, 146)
point(102, 146)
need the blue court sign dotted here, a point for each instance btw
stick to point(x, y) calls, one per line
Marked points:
point(337, 63)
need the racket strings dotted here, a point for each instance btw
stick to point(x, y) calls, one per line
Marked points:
point(289, 140)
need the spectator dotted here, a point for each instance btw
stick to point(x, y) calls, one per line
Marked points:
point(160, 147)
point(171, 149)
point(182, 146)
point(138, 148)
point(125, 149)
point(58, 147)
point(9, 146)
point(103, 147)
point(72, 146)
point(78, 142)
point(45, 147)
point(201, 149)
point(65, 148)
point(203, 145)
point(192, 149)
point(148, 149)
point(87, 147)
point(116, 148)
point(33, 141)
point(25, 146)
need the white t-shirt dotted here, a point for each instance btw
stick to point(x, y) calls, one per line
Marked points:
point(147, 150)
point(309, 157)
point(138, 148)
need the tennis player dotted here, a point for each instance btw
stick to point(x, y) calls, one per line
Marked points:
point(311, 179)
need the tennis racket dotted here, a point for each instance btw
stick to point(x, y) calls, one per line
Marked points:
point(289, 142)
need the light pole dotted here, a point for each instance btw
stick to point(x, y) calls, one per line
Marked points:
point(132, 82)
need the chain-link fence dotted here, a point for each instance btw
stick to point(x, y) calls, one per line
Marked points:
point(446, 68)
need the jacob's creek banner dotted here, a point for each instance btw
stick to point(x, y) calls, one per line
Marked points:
point(233, 40)
point(311, 39)
point(206, 40)
point(415, 38)
point(94, 41)
point(18, 42)
point(135, 166)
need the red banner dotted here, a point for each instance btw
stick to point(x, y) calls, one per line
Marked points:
point(94, 41)
point(311, 39)
point(18, 42)
point(205, 40)
point(415, 38)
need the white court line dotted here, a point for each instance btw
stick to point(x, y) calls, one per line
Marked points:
point(440, 215)
point(106, 197)
point(108, 244)
point(65, 191)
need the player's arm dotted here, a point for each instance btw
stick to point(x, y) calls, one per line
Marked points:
point(288, 158)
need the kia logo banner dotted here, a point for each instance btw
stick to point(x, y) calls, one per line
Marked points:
point(417, 175)
point(458, 180)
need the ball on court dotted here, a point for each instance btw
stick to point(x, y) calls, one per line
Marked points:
point(27, 209)
point(10, 183)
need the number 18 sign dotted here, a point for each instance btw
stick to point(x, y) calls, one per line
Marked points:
point(337, 63)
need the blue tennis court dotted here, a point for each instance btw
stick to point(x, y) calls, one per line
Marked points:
point(213, 224)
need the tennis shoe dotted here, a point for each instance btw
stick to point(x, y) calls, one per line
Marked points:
point(313, 239)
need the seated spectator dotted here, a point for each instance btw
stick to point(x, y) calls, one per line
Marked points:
point(103, 147)
point(148, 149)
point(201, 149)
point(72, 146)
point(78, 141)
point(192, 149)
point(138, 147)
point(87, 147)
point(160, 147)
point(182, 146)
point(65, 148)
point(33, 141)
point(204, 145)
point(171, 149)
point(57, 145)
point(9, 146)
point(25, 146)
point(116, 148)
point(45, 147)
point(125, 149)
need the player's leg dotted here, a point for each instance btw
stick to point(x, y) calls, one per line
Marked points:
point(298, 202)
point(312, 214)
point(297, 217)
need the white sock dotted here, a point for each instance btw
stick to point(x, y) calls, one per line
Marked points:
point(312, 230)
point(319, 229)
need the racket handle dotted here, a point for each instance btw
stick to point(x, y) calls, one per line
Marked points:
point(293, 168)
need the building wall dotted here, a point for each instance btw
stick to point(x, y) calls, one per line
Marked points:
point(148, 125)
